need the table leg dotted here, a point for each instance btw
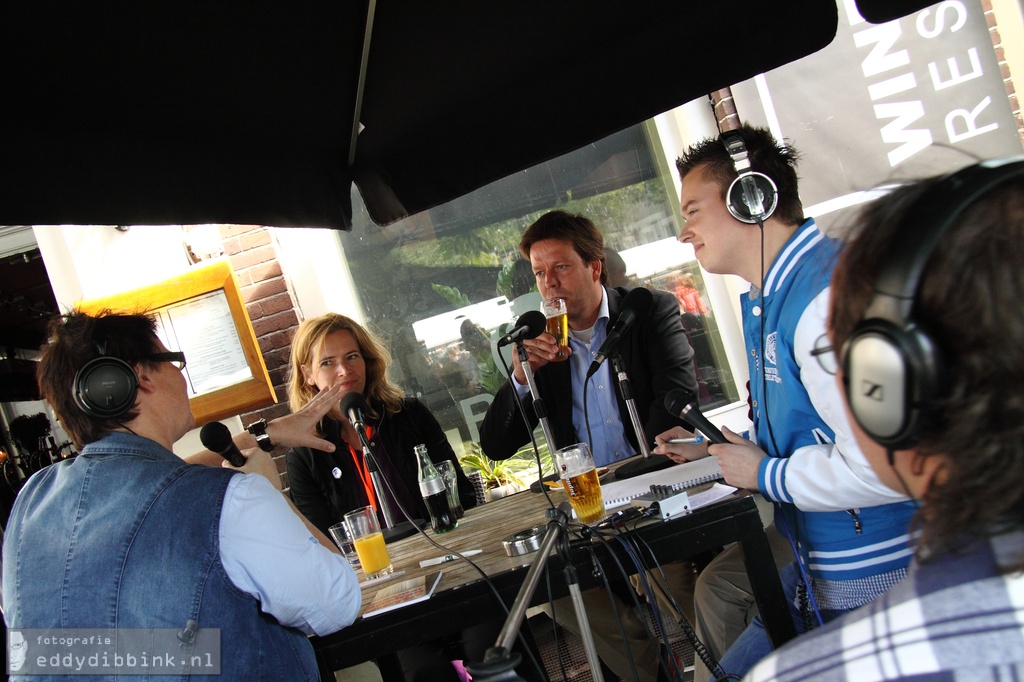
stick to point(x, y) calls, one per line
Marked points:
point(764, 580)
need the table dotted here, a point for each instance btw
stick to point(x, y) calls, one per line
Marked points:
point(462, 598)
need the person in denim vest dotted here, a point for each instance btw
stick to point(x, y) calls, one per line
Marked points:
point(129, 536)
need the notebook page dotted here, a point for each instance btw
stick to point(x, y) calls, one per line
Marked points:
point(619, 493)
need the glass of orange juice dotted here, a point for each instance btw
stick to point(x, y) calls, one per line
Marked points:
point(369, 541)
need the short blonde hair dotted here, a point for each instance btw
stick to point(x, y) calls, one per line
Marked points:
point(310, 336)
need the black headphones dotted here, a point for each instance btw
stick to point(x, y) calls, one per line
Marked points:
point(753, 196)
point(892, 367)
point(106, 386)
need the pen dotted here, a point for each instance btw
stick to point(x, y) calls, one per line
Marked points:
point(684, 441)
point(448, 557)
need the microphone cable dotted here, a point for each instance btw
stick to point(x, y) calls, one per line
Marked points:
point(699, 648)
point(446, 550)
point(672, 668)
point(761, 351)
point(793, 538)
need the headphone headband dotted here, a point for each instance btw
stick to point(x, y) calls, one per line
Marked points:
point(923, 226)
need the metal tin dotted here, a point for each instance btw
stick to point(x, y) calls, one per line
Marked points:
point(523, 542)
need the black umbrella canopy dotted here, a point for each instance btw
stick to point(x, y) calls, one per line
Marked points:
point(155, 112)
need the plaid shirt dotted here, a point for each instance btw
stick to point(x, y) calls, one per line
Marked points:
point(953, 619)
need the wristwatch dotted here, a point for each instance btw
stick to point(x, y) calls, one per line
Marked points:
point(258, 429)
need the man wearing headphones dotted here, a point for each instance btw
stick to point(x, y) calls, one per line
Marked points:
point(127, 536)
point(926, 320)
point(743, 217)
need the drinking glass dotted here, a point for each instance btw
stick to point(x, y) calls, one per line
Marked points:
point(369, 542)
point(342, 538)
point(451, 484)
point(558, 325)
point(575, 466)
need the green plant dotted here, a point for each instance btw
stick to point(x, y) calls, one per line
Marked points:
point(494, 473)
point(451, 294)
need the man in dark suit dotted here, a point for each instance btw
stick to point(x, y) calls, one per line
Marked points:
point(567, 255)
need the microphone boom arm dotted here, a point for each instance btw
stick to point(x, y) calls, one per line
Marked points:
point(379, 491)
point(538, 402)
point(626, 389)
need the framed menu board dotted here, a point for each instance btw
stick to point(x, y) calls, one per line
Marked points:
point(201, 313)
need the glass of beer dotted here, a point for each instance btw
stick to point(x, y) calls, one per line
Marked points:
point(369, 541)
point(558, 326)
point(575, 466)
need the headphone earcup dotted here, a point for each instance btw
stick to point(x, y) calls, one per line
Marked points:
point(763, 187)
point(888, 373)
point(106, 387)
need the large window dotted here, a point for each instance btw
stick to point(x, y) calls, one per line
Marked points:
point(441, 285)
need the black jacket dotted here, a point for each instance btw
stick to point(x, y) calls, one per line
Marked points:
point(656, 356)
point(324, 499)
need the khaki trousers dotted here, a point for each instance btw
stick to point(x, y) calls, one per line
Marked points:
point(723, 600)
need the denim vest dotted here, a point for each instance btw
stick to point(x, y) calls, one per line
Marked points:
point(126, 535)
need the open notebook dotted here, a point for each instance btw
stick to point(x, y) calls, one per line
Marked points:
point(680, 477)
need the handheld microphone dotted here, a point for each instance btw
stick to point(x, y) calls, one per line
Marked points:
point(637, 302)
point(216, 437)
point(353, 405)
point(530, 325)
point(678, 402)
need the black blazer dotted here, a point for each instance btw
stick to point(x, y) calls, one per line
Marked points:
point(657, 358)
point(324, 499)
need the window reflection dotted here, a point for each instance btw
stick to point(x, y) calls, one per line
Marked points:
point(442, 285)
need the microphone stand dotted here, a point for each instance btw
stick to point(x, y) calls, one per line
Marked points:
point(392, 530)
point(538, 402)
point(499, 662)
point(649, 462)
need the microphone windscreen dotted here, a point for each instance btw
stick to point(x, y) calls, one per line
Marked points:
point(677, 399)
point(535, 323)
point(215, 436)
point(639, 300)
point(352, 401)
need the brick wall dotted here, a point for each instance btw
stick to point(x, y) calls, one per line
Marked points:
point(1004, 68)
point(271, 307)
point(725, 110)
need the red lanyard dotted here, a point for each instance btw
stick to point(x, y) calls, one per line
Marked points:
point(364, 474)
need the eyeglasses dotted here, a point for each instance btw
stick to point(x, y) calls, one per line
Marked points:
point(176, 358)
point(825, 355)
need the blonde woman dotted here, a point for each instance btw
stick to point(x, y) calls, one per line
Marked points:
point(333, 350)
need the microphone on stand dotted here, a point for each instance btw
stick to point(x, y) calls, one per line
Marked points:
point(216, 437)
point(636, 303)
point(353, 406)
point(680, 403)
point(530, 325)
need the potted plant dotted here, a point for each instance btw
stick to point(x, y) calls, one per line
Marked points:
point(501, 478)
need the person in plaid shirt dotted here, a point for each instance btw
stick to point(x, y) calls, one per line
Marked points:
point(927, 323)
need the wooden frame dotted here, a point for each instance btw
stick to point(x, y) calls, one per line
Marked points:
point(191, 312)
